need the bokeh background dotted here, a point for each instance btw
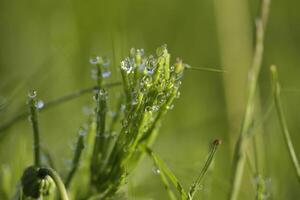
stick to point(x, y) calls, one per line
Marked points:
point(46, 45)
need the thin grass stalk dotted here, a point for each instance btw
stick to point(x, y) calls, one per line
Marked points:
point(241, 146)
point(52, 103)
point(164, 169)
point(76, 159)
point(283, 123)
point(33, 116)
point(196, 185)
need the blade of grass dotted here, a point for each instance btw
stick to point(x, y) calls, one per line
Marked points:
point(23, 114)
point(283, 123)
point(207, 69)
point(241, 145)
point(33, 116)
point(167, 173)
point(196, 185)
point(76, 158)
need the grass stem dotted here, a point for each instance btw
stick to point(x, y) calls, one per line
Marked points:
point(33, 116)
point(196, 185)
point(283, 123)
point(241, 146)
point(23, 114)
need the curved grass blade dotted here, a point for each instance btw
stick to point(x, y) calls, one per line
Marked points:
point(196, 185)
point(283, 123)
point(165, 173)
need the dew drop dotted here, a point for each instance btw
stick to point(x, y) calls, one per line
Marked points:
point(82, 131)
point(146, 81)
point(106, 74)
point(106, 62)
point(155, 108)
point(132, 52)
point(172, 68)
point(161, 98)
point(140, 51)
point(125, 66)
point(125, 123)
point(39, 104)
point(123, 107)
point(94, 74)
point(177, 94)
point(103, 93)
point(155, 170)
point(170, 107)
point(32, 94)
point(94, 60)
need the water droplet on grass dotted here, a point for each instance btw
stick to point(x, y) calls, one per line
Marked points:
point(155, 170)
point(125, 123)
point(170, 107)
point(39, 104)
point(82, 131)
point(32, 94)
point(146, 81)
point(106, 74)
point(125, 66)
point(94, 60)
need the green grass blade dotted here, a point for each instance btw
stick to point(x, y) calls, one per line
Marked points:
point(167, 173)
point(283, 123)
point(243, 140)
point(52, 103)
point(33, 116)
point(196, 185)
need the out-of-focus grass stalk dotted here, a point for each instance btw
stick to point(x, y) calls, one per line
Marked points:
point(234, 38)
point(241, 146)
point(33, 116)
point(283, 123)
point(76, 158)
point(23, 114)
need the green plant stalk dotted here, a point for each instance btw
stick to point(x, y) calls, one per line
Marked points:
point(101, 110)
point(241, 146)
point(23, 114)
point(76, 159)
point(195, 186)
point(57, 180)
point(33, 116)
point(283, 123)
point(164, 169)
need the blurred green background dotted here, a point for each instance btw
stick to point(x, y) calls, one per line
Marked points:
point(46, 45)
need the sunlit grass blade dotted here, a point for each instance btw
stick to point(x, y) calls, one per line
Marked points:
point(165, 173)
point(283, 123)
point(196, 185)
